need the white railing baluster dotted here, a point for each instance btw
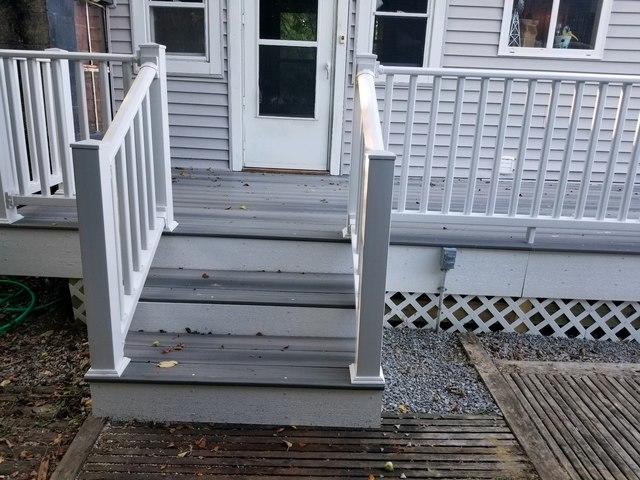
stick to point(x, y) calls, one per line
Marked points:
point(408, 139)
point(52, 124)
point(388, 109)
point(453, 148)
point(27, 98)
point(133, 205)
point(17, 120)
point(568, 151)
point(64, 120)
point(105, 96)
point(522, 149)
point(621, 116)
point(141, 167)
point(431, 141)
point(41, 142)
point(502, 133)
point(8, 174)
point(152, 210)
point(592, 150)
point(81, 98)
point(549, 129)
point(124, 222)
point(477, 146)
point(632, 172)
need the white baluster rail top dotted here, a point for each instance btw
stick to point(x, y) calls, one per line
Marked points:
point(572, 140)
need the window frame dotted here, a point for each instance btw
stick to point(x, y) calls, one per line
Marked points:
point(433, 41)
point(549, 52)
point(209, 65)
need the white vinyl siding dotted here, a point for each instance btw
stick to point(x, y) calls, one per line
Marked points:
point(198, 106)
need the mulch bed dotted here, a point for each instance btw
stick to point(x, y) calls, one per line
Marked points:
point(43, 397)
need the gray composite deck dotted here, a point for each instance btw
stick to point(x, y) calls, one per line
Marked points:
point(312, 207)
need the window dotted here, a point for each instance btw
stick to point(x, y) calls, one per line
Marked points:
point(400, 32)
point(555, 28)
point(190, 29)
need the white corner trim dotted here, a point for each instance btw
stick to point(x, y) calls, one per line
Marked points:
point(504, 50)
point(213, 66)
point(339, 85)
point(356, 380)
point(235, 74)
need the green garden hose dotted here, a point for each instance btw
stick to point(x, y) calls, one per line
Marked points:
point(17, 302)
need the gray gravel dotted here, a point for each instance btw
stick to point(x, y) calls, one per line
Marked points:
point(512, 346)
point(430, 373)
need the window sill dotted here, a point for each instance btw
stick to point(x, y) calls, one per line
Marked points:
point(191, 68)
point(547, 53)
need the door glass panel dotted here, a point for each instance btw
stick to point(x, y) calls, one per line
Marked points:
point(400, 40)
point(406, 6)
point(289, 20)
point(180, 29)
point(287, 81)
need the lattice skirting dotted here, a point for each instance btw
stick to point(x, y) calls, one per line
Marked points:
point(76, 289)
point(587, 319)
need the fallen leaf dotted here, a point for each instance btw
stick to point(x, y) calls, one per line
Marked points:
point(216, 448)
point(371, 477)
point(243, 207)
point(288, 444)
point(202, 443)
point(43, 471)
point(26, 455)
point(5, 383)
point(205, 275)
point(155, 344)
point(1, 459)
point(185, 453)
point(388, 467)
point(403, 409)
point(168, 364)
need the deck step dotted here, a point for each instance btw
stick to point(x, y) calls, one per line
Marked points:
point(247, 303)
point(248, 379)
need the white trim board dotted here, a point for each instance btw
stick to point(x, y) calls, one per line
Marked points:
point(235, 28)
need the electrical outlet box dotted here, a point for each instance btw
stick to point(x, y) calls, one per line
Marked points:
point(507, 165)
point(448, 258)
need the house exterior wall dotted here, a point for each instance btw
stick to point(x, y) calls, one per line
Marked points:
point(198, 106)
point(199, 112)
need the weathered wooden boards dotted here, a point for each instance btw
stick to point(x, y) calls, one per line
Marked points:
point(587, 415)
point(419, 447)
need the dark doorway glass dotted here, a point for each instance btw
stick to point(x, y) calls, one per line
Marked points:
point(289, 20)
point(287, 81)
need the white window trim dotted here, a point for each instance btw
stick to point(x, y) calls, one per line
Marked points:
point(596, 54)
point(434, 36)
point(212, 65)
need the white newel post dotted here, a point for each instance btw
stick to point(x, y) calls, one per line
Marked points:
point(158, 98)
point(8, 179)
point(98, 224)
point(374, 241)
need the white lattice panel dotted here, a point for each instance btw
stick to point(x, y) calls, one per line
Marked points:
point(587, 319)
point(76, 289)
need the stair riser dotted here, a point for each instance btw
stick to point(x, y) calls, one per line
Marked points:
point(244, 254)
point(245, 319)
point(244, 404)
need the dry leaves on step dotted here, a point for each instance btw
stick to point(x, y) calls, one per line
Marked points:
point(168, 364)
point(403, 409)
point(288, 444)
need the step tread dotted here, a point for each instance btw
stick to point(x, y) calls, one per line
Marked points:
point(239, 360)
point(254, 288)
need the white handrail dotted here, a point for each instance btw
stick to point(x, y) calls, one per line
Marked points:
point(509, 74)
point(64, 55)
point(130, 107)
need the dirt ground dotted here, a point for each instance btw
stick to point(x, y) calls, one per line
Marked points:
point(43, 397)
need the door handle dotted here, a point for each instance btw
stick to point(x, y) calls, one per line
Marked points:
point(327, 70)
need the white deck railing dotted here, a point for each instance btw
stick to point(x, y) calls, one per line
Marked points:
point(371, 189)
point(567, 196)
point(43, 103)
point(124, 202)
